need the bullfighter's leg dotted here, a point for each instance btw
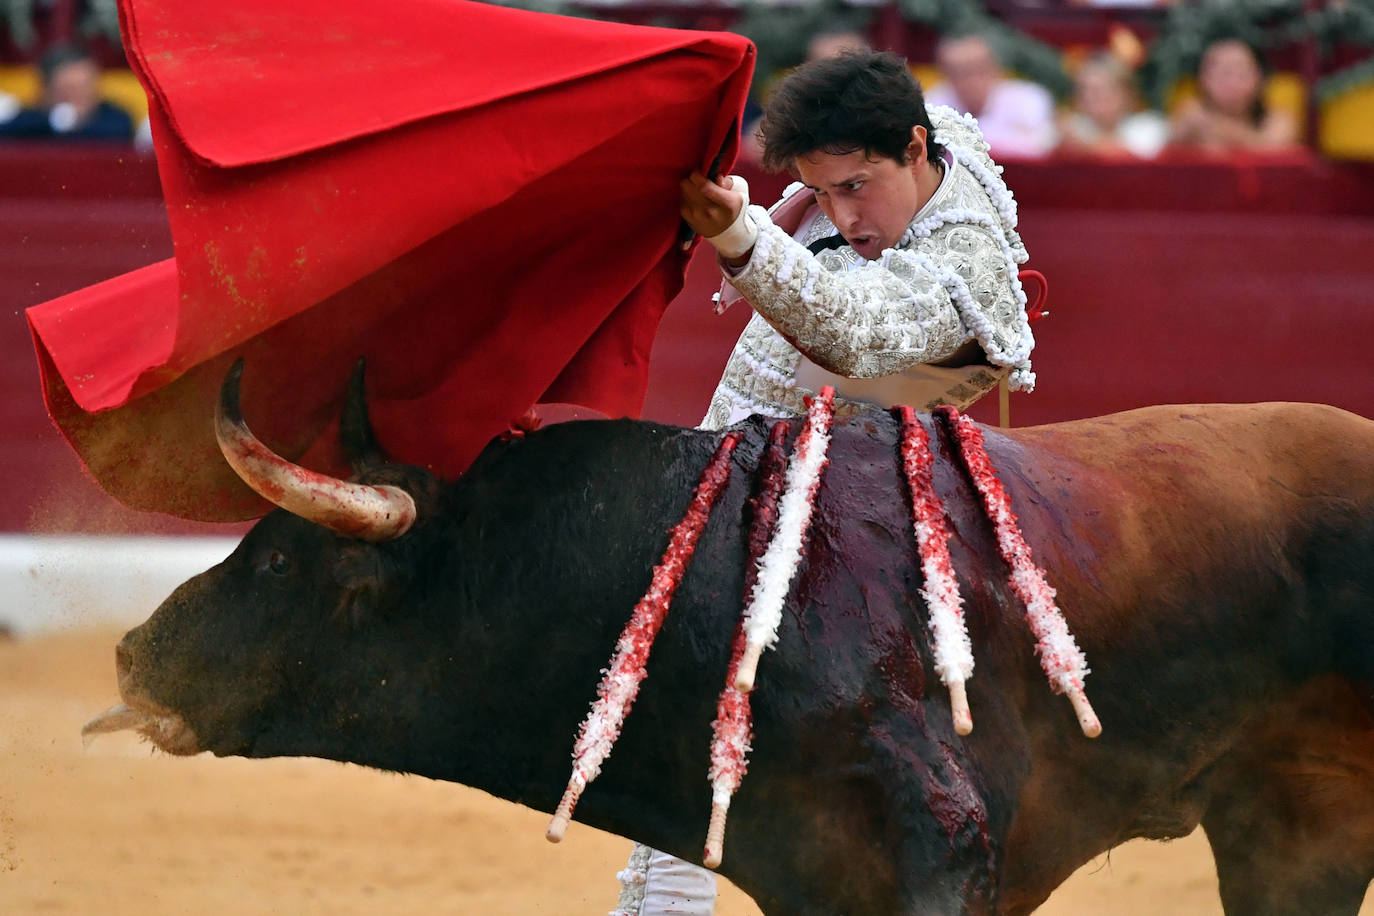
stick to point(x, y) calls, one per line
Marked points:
point(657, 884)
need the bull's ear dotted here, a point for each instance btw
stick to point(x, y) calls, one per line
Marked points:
point(360, 444)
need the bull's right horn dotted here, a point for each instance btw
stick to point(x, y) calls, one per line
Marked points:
point(370, 513)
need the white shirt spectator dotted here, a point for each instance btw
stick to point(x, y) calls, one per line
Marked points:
point(1017, 118)
point(9, 107)
point(1142, 134)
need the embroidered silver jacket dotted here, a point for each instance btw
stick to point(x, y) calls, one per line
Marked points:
point(951, 278)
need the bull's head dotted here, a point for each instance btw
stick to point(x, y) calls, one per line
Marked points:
point(329, 555)
point(463, 649)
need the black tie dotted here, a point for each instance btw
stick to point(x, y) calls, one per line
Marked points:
point(826, 244)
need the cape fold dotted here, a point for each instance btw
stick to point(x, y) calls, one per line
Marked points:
point(479, 201)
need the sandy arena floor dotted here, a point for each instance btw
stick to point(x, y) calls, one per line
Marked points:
point(116, 830)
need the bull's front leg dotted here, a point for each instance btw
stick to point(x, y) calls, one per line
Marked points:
point(1291, 812)
point(938, 817)
point(912, 832)
point(867, 816)
point(1270, 863)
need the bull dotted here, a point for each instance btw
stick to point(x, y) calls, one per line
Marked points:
point(1215, 563)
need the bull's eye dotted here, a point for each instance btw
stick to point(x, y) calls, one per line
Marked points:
point(277, 563)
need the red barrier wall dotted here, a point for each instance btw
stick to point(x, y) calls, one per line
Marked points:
point(1169, 282)
point(69, 217)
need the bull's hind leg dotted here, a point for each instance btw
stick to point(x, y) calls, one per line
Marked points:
point(1291, 822)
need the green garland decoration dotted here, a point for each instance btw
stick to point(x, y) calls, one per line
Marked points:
point(1357, 74)
point(781, 32)
point(1027, 56)
point(559, 8)
point(101, 20)
point(1266, 24)
point(18, 18)
point(1350, 22)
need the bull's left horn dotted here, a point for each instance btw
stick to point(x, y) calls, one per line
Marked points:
point(370, 513)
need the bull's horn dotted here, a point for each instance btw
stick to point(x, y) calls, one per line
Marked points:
point(370, 513)
point(355, 429)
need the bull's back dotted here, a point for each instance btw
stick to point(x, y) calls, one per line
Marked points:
point(1307, 444)
point(1125, 498)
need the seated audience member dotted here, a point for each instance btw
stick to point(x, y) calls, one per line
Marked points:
point(826, 44)
point(1122, 4)
point(143, 136)
point(1016, 116)
point(1229, 112)
point(1105, 119)
point(823, 45)
point(71, 107)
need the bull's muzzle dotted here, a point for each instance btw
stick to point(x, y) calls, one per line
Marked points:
point(163, 727)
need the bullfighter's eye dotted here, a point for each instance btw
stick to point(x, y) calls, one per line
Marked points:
point(277, 563)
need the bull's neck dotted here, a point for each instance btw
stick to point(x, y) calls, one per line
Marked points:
point(563, 564)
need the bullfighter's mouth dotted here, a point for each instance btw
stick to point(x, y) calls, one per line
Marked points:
point(167, 730)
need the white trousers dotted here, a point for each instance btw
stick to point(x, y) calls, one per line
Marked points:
point(657, 884)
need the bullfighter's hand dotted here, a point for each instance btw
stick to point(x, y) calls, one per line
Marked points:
point(718, 211)
point(710, 207)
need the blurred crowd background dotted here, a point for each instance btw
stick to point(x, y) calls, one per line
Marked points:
point(1195, 179)
point(1068, 78)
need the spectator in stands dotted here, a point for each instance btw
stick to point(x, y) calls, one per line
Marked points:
point(1016, 116)
point(824, 44)
point(832, 43)
point(1229, 112)
point(9, 107)
point(71, 107)
point(1105, 119)
point(1121, 4)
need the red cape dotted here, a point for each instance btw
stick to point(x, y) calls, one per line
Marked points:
point(481, 201)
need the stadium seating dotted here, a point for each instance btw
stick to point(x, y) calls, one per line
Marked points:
point(120, 86)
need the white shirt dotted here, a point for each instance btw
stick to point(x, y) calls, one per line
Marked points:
point(1017, 120)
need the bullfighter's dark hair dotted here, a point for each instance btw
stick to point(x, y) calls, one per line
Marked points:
point(860, 100)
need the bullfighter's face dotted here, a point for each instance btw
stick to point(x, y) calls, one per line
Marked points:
point(871, 199)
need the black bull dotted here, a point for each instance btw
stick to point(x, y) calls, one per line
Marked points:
point(1216, 564)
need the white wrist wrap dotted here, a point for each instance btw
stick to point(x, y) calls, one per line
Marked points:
point(741, 235)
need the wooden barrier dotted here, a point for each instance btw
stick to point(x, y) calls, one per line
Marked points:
point(1178, 281)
